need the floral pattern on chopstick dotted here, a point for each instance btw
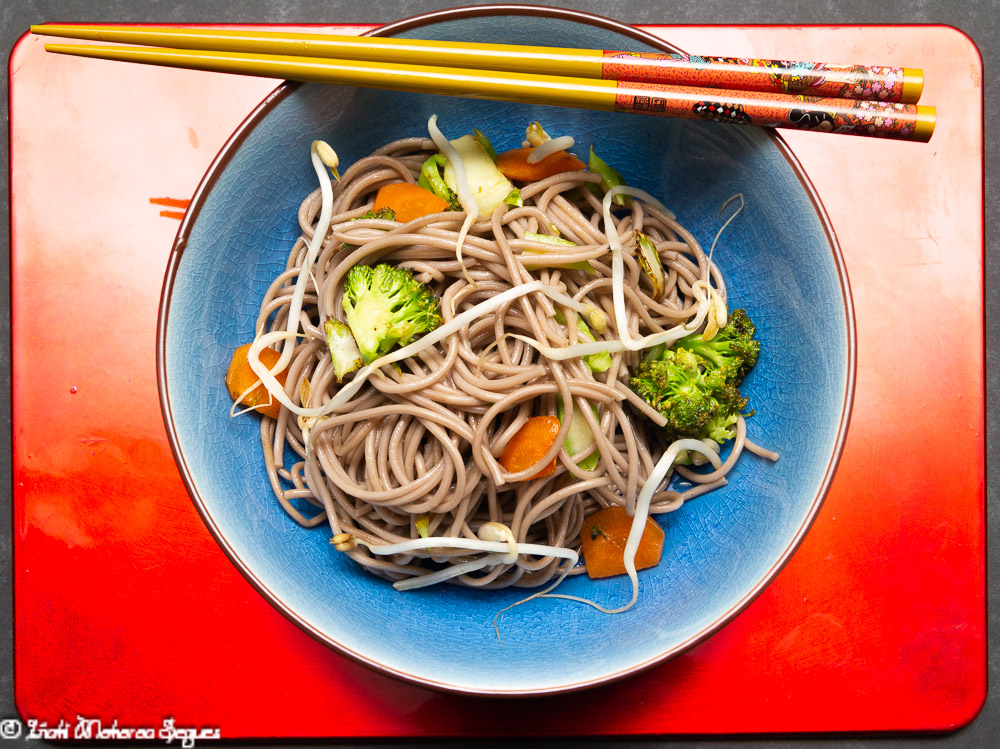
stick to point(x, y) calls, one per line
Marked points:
point(876, 82)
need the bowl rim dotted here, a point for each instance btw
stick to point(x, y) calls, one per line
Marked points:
point(206, 184)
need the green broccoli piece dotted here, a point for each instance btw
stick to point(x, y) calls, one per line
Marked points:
point(722, 428)
point(733, 349)
point(675, 385)
point(386, 306)
point(694, 385)
point(387, 214)
point(343, 349)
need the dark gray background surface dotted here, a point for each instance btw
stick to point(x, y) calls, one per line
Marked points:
point(977, 18)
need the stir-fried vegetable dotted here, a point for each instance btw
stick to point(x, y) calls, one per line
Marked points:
point(583, 265)
point(697, 402)
point(610, 177)
point(543, 144)
point(599, 362)
point(515, 165)
point(383, 214)
point(580, 436)
point(343, 348)
point(489, 186)
point(733, 350)
point(535, 134)
point(386, 306)
point(530, 444)
point(408, 202)
point(485, 143)
point(651, 263)
point(240, 378)
point(603, 538)
point(432, 178)
point(694, 385)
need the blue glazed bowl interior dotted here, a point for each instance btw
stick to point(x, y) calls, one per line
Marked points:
point(779, 261)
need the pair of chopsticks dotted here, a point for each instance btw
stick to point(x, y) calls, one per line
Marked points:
point(851, 99)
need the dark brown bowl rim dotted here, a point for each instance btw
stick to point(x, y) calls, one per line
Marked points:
point(180, 243)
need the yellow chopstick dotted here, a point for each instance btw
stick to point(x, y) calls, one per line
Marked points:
point(816, 79)
point(540, 60)
point(908, 122)
point(537, 89)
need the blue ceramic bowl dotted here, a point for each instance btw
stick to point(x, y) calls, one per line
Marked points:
point(780, 259)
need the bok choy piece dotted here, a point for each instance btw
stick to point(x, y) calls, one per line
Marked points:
point(610, 177)
point(600, 362)
point(489, 187)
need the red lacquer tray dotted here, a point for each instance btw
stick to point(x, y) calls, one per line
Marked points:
point(125, 608)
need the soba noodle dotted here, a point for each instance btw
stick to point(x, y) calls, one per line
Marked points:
point(414, 453)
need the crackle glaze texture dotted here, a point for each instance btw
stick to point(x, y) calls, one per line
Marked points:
point(720, 549)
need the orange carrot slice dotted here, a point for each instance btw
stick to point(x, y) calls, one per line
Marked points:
point(603, 537)
point(408, 201)
point(530, 444)
point(514, 165)
point(239, 377)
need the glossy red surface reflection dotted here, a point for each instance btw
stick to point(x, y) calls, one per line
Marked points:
point(126, 609)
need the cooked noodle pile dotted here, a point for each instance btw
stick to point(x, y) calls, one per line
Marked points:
point(415, 452)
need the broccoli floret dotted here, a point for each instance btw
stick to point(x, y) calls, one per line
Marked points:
point(387, 214)
point(386, 306)
point(675, 385)
point(733, 349)
point(694, 385)
point(722, 427)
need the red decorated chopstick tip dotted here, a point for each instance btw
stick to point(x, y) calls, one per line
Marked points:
point(894, 120)
point(868, 82)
